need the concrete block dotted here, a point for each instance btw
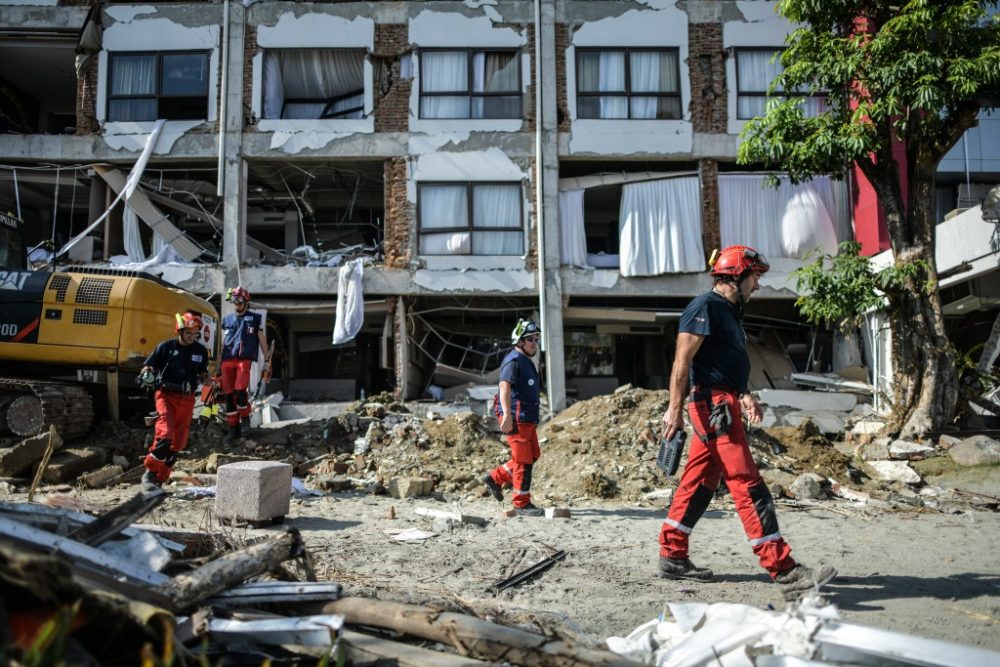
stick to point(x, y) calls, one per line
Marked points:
point(68, 464)
point(557, 513)
point(253, 490)
point(15, 459)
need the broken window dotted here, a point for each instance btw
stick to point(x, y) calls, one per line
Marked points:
point(314, 83)
point(470, 84)
point(755, 70)
point(628, 83)
point(147, 86)
point(471, 219)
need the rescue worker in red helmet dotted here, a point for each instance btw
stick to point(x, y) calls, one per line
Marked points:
point(242, 338)
point(174, 369)
point(711, 357)
point(517, 408)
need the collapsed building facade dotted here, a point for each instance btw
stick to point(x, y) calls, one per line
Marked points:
point(453, 166)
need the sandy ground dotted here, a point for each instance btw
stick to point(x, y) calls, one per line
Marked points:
point(929, 574)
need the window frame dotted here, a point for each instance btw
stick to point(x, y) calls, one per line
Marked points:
point(470, 74)
point(774, 50)
point(327, 113)
point(159, 94)
point(627, 94)
point(470, 210)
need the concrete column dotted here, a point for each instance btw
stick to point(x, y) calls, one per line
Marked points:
point(548, 171)
point(402, 351)
point(234, 170)
point(98, 202)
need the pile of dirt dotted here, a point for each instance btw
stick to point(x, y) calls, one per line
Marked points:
point(601, 448)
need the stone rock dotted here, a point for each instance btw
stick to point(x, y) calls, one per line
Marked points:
point(410, 487)
point(216, 459)
point(895, 471)
point(977, 450)
point(807, 487)
point(333, 483)
point(946, 441)
point(873, 451)
point(907, 450)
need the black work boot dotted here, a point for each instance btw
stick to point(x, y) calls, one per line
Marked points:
point(529, 510)
point(800, 579)
point(233, 434)
point(493, 487)
point(150, 482)
point(683, 568)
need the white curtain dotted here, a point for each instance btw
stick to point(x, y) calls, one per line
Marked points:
point(130, 236)
point(497, 206)
point(651, 72)
point(316, 75)
point(604, 71)
point(787, 221)
point(572, 235)
point(660, 227)
point(350, 302)
point(444, 72)
point(495, 72)
point(132, 75)
point(444, 206)
point(754, 71)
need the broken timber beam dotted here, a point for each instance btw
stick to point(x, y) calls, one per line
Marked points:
point(187, 590)
point(364, 649)
point(118, 519)
point(471, 636)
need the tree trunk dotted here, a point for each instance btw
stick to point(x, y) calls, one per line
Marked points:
point(925, 376)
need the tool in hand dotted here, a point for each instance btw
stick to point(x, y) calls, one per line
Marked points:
point(669, 457)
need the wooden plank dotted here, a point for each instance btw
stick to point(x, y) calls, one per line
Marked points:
point(151, 215)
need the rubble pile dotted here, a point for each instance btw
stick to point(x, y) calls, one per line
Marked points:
point(597, 449)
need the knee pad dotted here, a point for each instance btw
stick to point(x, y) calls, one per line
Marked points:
point(763, 503)
point(230, 402)
point(241, 398)
point(700, 499)
point(526, 484)
point(160, 449)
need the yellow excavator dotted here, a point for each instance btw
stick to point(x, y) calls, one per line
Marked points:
point(64, 333)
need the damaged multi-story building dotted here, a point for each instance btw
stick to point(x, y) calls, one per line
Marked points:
point(441, 168)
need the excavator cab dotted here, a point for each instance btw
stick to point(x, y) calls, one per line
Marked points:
point(11, 242)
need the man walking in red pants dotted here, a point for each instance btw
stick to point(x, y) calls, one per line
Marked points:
point(175, 368)
point(711, 357)
point(517, 409)
point(242, 338)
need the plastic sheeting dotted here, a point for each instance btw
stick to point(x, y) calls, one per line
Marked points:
point(350, 302)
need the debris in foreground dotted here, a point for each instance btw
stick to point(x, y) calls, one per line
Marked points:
point(810, 633)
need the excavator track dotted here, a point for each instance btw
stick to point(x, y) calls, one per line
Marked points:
point(31, 406)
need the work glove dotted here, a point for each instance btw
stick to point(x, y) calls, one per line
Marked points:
point(146, 379)
point(720, 418)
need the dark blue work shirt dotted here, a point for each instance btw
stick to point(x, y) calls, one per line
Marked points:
point(525, 388)
point(239, 335)
point(722, 358)
point(178, 366)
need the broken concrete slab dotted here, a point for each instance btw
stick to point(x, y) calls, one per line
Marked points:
point(808, 486)
point(895, 471)
point(907, 450)
point(69, 463)
point(827, 421)
point(807, 400)
point(30, 450)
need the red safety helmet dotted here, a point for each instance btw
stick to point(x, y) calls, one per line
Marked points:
point(238, 292)
point(190, 320)
point(736, 260)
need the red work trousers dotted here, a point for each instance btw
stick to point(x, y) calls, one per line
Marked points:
point(170, 434)
point(716, 456)
point(524, 451)
point(235, 381)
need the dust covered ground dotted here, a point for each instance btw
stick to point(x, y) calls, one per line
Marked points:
point(924, 564)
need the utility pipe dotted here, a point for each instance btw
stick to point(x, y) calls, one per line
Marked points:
point(220, 187)
point(539, 190)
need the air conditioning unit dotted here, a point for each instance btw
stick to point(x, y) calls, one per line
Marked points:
point(967, 297)
point(972, 194)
